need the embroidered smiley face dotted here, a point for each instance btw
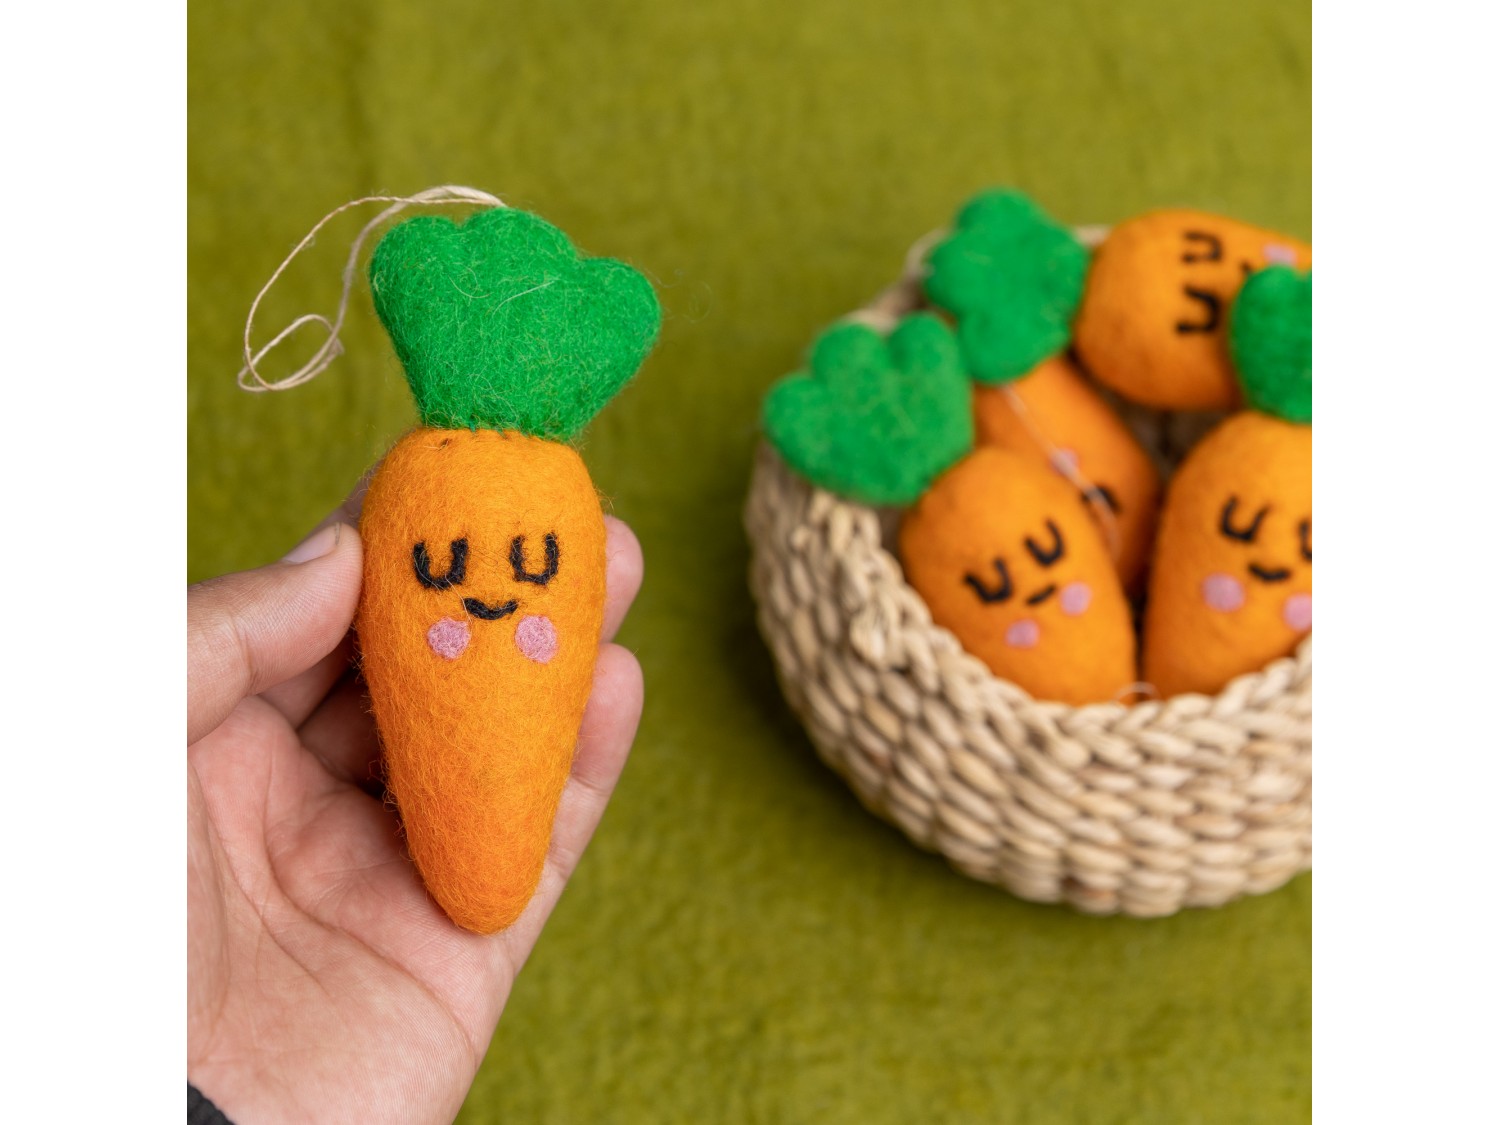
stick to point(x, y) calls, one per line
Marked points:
point(1152, 321)
point(1010, 562)
point(535, 635)
point(489, 580)
point(1231, 585)
point(1289, 549)
point(1072, 599)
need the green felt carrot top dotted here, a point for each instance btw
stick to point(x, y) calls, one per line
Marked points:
point(501, 324)
point(1270, 341)
point(872, 417)
point(1013, 278)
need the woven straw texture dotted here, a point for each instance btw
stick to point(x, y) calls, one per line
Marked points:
point(1141, 810)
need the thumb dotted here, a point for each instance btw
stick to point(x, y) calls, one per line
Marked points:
point(251, 631)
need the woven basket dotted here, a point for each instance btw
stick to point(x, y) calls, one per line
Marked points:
point(1141, 810)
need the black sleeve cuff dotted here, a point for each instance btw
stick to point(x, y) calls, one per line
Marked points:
point(201, 1111)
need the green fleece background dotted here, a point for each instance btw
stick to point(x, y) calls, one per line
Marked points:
point(743, 943)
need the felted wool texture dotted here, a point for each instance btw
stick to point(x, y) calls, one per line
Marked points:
point(1270, 342)
point(1152, 323)
point(1058, 420)
point(1220, 605)
point(478, 745)
point(1013, 277)
point(874, 418)
point(500, 323)
point(1060, 627)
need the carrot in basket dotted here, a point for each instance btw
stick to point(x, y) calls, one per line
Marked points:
point(1010, 275)
point(1008, 561)
point(1151, 324)
point(1000, 548)
point(483, 600)
point(1231, 587)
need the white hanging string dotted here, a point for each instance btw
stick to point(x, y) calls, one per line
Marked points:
point(903, 295)
point(250, 378)
point(916, 267)
point(1109, 523)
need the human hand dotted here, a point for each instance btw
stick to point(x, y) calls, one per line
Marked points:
point(324, 983)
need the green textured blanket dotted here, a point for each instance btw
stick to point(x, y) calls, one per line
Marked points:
point(743, 943)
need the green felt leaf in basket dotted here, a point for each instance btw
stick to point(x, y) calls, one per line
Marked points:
point(875, 418)
point(1013, 277)
point(501, 324)
point(1270, 340)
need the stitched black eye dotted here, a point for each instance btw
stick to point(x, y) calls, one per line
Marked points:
point(997, 594)
point(1304, 539)
point(1051, 555)
point(458, 552)
point(1213, 309)
point(1201, 246)
point(1244, 534)
point(518, 560)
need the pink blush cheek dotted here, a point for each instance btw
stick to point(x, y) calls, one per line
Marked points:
point(536, 637)
point(1075, 598)
point(1223, 592)
point(1280, 254)
point(1296, 611)
point(448, 638)
point(1023, 634)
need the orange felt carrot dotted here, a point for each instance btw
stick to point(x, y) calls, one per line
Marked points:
point(1009, 274)
point(1006, 559)
point(1151, 325)
point(1231, 587)
point(483, 598)
point(1054, 417)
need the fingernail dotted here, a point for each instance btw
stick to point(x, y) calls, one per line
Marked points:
point(316, 545)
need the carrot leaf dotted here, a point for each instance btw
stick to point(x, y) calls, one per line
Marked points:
point(1013, 278)
point(501, 324)
point(875, 418)
point(1270, 341)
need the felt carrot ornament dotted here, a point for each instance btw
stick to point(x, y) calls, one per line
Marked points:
point(997, 545)
point(1009, 562)
point(1231, 587)
point(483, 598)
point(1008, 274)
point(1151, 321)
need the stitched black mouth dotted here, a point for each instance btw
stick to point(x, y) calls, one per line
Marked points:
point(1281, 574)
point(1042, 595)
point(488, 612)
